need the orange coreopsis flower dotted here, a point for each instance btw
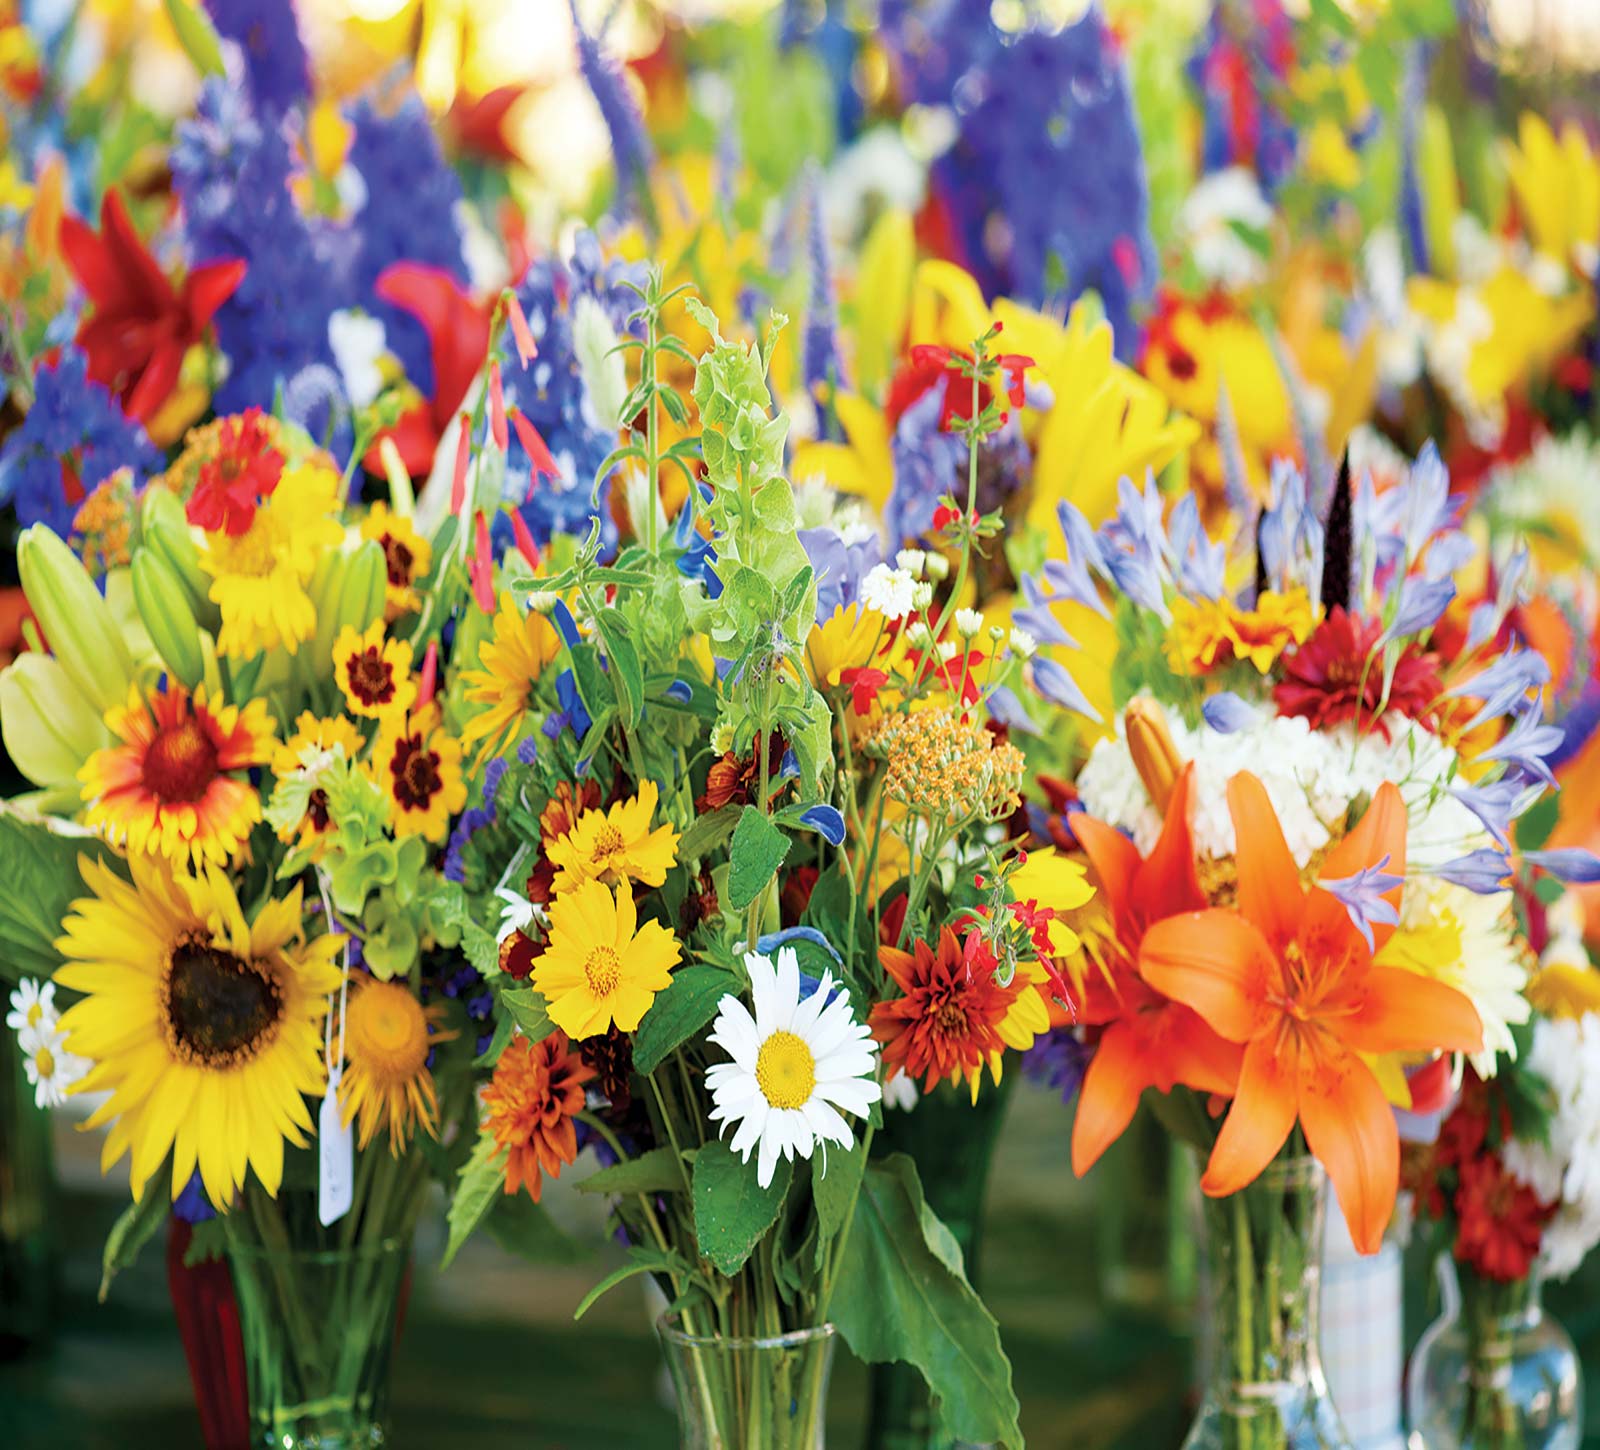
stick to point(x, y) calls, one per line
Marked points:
point(1290, 978)
point(1148, 1040)
point(529, 1106)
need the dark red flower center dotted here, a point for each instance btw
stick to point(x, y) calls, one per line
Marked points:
point(371, 677)
point(415, 770)
point(397, 560)
point(181, 762)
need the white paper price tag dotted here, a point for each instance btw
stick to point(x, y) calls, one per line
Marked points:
point(336, 1152)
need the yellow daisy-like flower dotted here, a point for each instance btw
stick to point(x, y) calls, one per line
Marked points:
point(600, 967)
point(418, 764)
point(305, 753)
point(169, 786)
point(1053, 887)
point(259, 577)
point(616, 845)
point(845, 640)
point(204, 1027)
point(373, 672)
point(1198, 634)
point(1261, 634)
point(407, 557)
point(524, 643)
point(386, 1083)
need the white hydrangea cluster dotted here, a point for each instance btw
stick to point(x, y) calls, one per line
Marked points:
point(1566, 1169)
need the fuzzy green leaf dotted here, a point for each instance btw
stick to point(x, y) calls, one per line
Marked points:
point(731, 1210)
point(482, 1181)
point(688, 1002)
point(657, 1171)
point(759, 848)
point(530, 1010)
point(136, 1225)
point(38, 881)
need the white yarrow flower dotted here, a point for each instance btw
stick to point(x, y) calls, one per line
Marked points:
point(33, 1007)
point(796, 1063)
point(892, 592)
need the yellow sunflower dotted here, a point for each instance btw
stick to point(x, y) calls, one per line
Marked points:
point(616, 845)
point(600, 966)
point(204, 1027)
point(419, 767)
point(304, 755)
point(386, 1083)
point(168, 787)
point(259, 577)
point(407, 557)
point(524, 643)
point(373, 672)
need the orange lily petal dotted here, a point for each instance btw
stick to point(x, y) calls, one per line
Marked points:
point(1197, 1057)
point(1404, 1011)
point(1115, 860)
point(1258, 1123)
point(1349, 1126)
point(1270, 894)
point(1218, 963)
point(1118, 1073)
point(1165, 883)
point(1379, 833)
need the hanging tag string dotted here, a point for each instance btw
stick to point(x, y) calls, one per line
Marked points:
point(334, 1065)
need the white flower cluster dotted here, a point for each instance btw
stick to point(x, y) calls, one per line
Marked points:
point(50, 1068)
point(1566, 1169)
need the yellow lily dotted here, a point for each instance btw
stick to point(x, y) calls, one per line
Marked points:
point(1556, 183)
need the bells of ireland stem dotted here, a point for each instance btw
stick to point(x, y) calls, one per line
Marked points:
point(348, 590)
point(77, 623)
point(49, 727)
point(164, 530)
point(168, 617)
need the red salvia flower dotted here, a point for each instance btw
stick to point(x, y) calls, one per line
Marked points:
point(140, 325)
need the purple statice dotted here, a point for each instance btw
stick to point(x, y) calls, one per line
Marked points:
point(1413, 96)
point(267, 33)
point(819, 344)
point(231, 169)
point(74, 435)
point(928, 464)
point(630, 143)
point(552, 392)
point(1241, 69)
point(1058, 1060)
point(1044, 187)
point(408, 213)
point(473, 820)
point(840, 561)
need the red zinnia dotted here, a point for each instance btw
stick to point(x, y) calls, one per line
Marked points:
point(1502, 1220)
point(1337, 675)
point(246, 470)
point(141, 325)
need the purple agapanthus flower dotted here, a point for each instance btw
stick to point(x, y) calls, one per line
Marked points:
point(1364, 896)
point(1058, 1060)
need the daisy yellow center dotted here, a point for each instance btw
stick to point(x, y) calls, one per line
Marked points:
point(786, 1070)
point(387, 1031)
point(219, 1010)
point(35, 1015)
point(44, 1062)
point(181, 762)
point(602, 971)
point(607, 841)
point(254, 553)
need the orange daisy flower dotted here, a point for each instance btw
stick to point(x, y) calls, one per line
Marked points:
point(167, 788)
point(948, 1021)
point(529, 1106)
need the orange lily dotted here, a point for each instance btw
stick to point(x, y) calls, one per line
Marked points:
point(1149, 1041)
point(1288, 976)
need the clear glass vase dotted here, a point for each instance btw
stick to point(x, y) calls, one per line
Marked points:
point(1265, 1389)
point(1145, 1249)
point(738, 1394)
point(1494, 1371)
point(319, 1330)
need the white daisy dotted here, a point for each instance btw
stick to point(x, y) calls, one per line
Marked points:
point(33, 1005)
point(795, 1063)
point(50, 1068)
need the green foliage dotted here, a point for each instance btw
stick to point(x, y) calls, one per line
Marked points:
point(136, 1225)
point(530, 1012)
point(731, 1210)
point(482, 1181)
point(686, 1005)
point(902, 1294)
point(758, 849)
point(39, 879)
point(524, 1228)
point(1537, 822)
point(658, 1171)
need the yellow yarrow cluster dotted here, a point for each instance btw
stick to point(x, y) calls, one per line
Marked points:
point(944, 765)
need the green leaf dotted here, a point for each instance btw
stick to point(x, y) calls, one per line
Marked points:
point(707, 833)
point(1537, 822)
point(835, 1182)
point(136, 1225)
point(643, 1260)
point(531, 1012)
point(627, 676)
point(688, 1002)
point(758, 850)
point(198, 38)
point(39, 879)
point(481, 1183)
point(731, 1210)
point(902, 1294)
point(657, 1171)
point(522, 1227)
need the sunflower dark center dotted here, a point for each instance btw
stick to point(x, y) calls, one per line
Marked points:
point(180, 763)
point(416, 773)
point(219, 1007)
point(371, 678)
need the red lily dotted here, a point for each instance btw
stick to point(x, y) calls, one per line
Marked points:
point(1290, 978)
point(458, 338)
point(1148, 1041)
point(141, 325)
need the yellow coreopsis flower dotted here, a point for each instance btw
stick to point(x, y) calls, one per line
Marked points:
point(616, 845)
point(418, 764)
point(407, 557)
point(601, 968)
point(314, 743)
point(374, 672)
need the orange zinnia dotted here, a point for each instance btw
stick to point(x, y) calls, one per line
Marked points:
point(529, 1105)
point(1148, 1041)
point(1290, 977)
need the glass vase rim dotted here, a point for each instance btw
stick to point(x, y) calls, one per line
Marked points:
point(387, 1247)
point(667, 1328)
point(1286, 1170)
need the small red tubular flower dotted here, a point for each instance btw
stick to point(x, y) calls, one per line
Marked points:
point(140, 325)
point(534, 446)
point(864, 684)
